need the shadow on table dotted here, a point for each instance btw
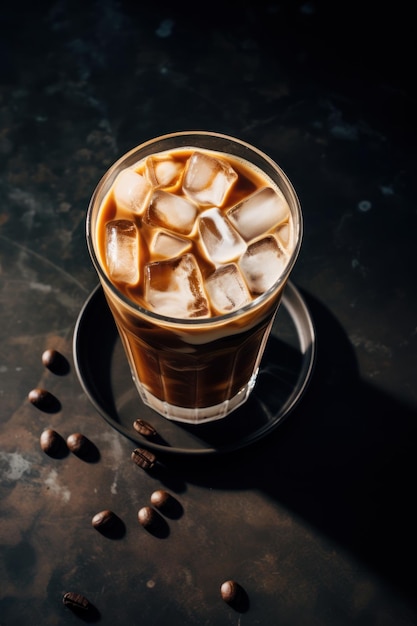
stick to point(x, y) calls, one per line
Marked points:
point(344, 461)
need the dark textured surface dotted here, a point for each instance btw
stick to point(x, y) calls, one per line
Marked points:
point(317, 521)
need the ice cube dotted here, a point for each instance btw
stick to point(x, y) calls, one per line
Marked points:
point(221, 242)
point(208, 180)
point(163, 171)
point(284, 235)
point(131, 191)
point(122, 251)
point(259, 213)
point(226, 289)
point(262, 264)
point(167, 245)
point(175, 288)
point(173, 212)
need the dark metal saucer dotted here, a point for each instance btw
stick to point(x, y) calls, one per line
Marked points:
point(285, 371)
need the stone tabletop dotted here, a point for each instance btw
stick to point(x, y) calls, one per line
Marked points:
point(316, 520)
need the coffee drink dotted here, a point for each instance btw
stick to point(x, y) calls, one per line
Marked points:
point(193, 236)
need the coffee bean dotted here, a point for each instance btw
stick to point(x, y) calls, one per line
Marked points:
point(160, 498)
point(153, 522)
point(44, 400)
point(82, 447)
point(143, 458)
point(49, 357)
point(77, 443)
point(147, 516)
point(234, 595)
point(76, 601)
point(55, 361)
point(38, 396)
point(230, 591)
point(166, 504)
point(52, 443)
point(144, 428)
point(104, 520)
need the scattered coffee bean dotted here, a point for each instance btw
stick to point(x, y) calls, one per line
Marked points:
point(153, 522)
point(76, 601)
point(166, 503)
point(52, 443)
point(49, 357)
point(144, 428)
point(104, 520)
point(77, 443)
point(147, 516)
point(82, 447)
point(44, 400)
point(143, 458)
point(55, 362)
point(160, 498)
point(230, 591)
point(37, 396)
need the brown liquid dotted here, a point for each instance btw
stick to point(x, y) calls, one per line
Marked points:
point(186, 375)
point(199, 365)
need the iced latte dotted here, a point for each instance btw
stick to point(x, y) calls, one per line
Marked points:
point(193, 236)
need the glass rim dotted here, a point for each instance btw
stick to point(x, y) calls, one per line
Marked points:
point(295, 208)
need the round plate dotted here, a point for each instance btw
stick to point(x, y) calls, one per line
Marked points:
point(285, 371)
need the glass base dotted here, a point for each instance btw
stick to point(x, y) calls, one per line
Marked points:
point(196, 415)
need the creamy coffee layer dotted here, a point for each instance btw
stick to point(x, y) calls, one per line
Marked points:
point(191, 233)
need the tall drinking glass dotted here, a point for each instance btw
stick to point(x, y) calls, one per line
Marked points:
point(193, 236)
